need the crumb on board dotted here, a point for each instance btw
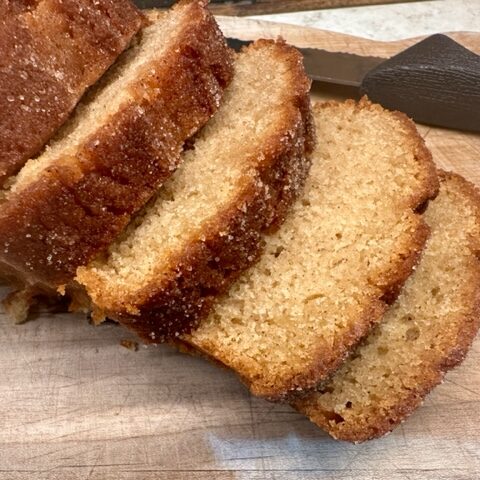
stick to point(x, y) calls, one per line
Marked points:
point(130, 344)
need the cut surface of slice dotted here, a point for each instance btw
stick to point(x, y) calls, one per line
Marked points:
point(427, 331)
point(52, 51)
point(123, 141)
point(328, 274)
point(205, 226)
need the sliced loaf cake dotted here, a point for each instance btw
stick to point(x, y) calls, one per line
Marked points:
point(341, 257)
point(245, 169)
point(124, 141)
point(427, 331)
point(51, 51)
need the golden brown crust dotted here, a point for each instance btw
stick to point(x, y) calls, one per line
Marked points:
point(52, 51)
point(233, 241)
point(69, 215)
point(433, 374)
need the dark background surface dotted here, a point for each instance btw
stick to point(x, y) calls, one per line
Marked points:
point(252, 7)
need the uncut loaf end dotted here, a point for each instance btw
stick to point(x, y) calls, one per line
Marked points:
point(206, 226)
point(51, 52)
point(124, 140)
point(427, 332)
point(340, 258)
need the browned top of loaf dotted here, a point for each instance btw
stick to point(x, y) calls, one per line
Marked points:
point(428, 330)
point(342, 255)
point(188, 274)
point(73, 209)
point(51, 51)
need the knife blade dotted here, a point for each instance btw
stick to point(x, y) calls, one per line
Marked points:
point(436, 81)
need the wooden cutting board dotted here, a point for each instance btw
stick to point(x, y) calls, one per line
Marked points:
point(76, 405)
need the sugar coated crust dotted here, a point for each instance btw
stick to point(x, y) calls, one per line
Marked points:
point(52, 51)
point(77, 206)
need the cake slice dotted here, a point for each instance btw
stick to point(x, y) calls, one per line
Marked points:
point(427, 332)
point(51, 51)
point(206, 224)
point(124, 140)
point(341, 257)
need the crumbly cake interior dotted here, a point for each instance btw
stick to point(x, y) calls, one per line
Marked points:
point(220, 166)
point(319, 274)
point(407, 351)
point(106, 97)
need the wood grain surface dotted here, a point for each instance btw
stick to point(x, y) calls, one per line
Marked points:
point(259, 7)
point(75, 404)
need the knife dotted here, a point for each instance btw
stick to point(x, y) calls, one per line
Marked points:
point(436, 81)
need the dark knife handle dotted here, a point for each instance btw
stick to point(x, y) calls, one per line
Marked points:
point(436, 81)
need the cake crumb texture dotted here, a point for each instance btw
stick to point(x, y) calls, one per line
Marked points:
point(427, 332)
point(342, 255)
point(206, 225)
